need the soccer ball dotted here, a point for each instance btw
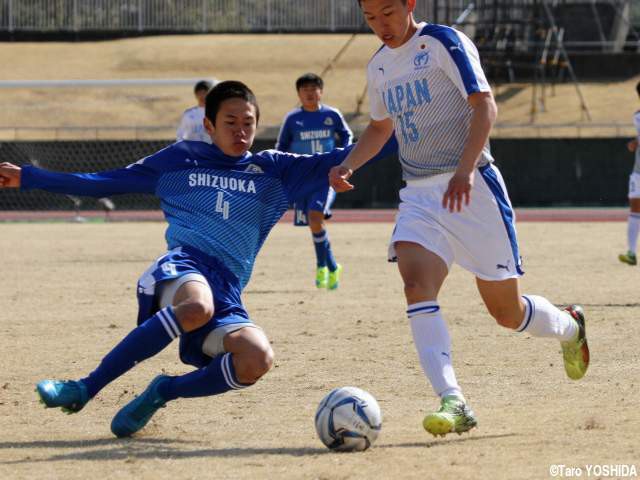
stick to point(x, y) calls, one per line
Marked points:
point(348, 419)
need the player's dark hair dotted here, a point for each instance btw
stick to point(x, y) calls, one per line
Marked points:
point(309, 79)
point(202, 86)
point(224, 91)
point(638, 88)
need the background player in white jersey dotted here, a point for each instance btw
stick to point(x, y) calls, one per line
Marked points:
point(315, 128)
point(633, 223)
point(426, 83)
point(220, 202)
point(191, 125)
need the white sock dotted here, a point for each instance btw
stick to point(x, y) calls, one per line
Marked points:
point(543, 319)
point(633, 228)
point(432, 341)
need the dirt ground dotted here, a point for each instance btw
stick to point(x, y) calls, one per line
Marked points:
point(68, 294)
point(268, 63)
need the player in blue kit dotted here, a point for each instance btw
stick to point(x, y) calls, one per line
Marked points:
point(220, 202)
point(315, 128)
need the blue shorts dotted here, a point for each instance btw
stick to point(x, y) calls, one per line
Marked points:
point(320, 201)
point(224, 285)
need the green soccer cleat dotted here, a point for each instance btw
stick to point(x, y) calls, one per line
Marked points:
point(629, 258)
point(334, 278)
point(68, 395)
point(137, 413)
point(575, 353)
point(453, 416)
point(322, 277)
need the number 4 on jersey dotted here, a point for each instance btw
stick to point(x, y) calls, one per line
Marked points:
point(222, 206)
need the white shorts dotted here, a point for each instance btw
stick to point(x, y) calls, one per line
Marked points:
point(481, 238)
point(634, 185)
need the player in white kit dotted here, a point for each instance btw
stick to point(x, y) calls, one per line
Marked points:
point(633, 224)
point(192, 122)
point(426, 83)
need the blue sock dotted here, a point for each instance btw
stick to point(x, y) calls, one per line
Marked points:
point(320, 244)
point(144, 341)
point(217, 377)
point(331, 261)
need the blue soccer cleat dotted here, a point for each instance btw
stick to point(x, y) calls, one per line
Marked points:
point(69, 395)
point(137, 413)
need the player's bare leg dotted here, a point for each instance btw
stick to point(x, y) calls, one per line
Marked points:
point(633, 229)
point(537, 316)
point(423, 273)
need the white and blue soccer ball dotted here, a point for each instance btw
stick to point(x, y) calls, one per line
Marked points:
point(348, 419)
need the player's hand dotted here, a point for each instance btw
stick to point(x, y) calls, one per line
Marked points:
point(9, 175)
point(338, 178)
point(458, 191)
point(632, 145)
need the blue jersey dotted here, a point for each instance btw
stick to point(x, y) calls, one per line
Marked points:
point(220, 205)
point(314, 132)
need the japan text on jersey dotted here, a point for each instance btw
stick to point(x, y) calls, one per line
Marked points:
point(423, 87)
point(313, 132)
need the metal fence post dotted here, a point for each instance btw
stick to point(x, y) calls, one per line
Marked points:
point(268, 15)
point(204, 16)
point(10, 15)
point(140, 19)
point(75, 15)
point(333, 16)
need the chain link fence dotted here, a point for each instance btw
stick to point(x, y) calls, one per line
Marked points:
point(188, 15)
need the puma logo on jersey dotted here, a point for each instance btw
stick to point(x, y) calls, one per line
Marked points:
point(381, 69)
point(253, 168)
point(456, 47)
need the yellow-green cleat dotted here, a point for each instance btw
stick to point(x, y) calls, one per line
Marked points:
point(629, 258)
point(453, 416)
point(334, 278)
point(575, 353)
point(322, 277)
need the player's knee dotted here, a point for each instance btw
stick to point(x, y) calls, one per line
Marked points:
point(415, 291)
point(193, 313)
point(255, 365)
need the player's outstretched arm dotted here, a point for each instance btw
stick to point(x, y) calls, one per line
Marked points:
point(136, 178)
point(369, 144)
point(9, 175)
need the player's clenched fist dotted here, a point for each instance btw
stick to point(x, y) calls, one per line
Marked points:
point(9, 175)
point(338, 178)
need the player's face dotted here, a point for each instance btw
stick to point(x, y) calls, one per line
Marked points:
point(310, 96)
point(390, 20)
point(235, 127)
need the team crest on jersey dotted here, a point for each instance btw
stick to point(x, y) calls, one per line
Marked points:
point(421, 60)
point(252, 168)
point(328, 121)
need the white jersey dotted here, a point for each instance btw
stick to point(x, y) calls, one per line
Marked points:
point(191, 126)
point(636, 121)
point(423, 87)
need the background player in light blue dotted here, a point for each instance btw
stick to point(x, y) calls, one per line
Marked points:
point(220, 202)
point(315, 128)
